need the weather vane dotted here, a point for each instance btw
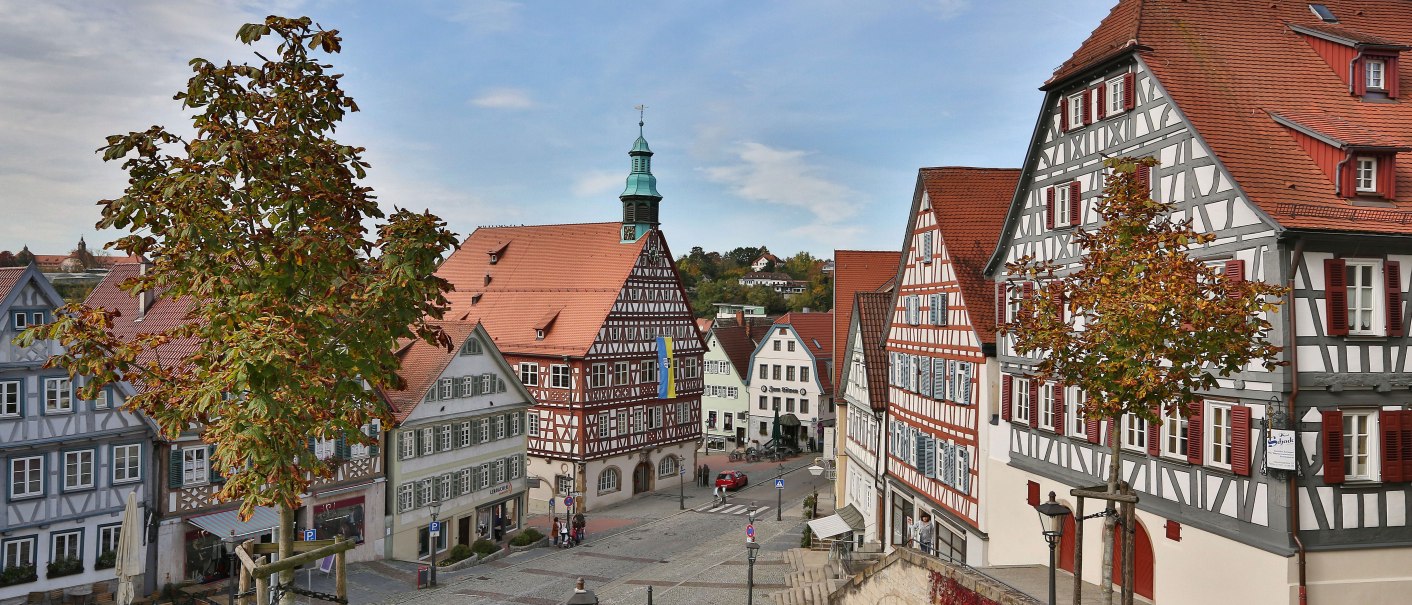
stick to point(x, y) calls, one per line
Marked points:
point(641, 110)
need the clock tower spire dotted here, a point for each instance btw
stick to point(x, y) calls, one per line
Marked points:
point(640, 198)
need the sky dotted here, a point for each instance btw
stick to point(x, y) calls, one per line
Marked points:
point(797, 125)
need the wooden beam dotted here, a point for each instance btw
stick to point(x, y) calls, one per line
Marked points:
point(340, 576)
point(1104, 495)
point(299, 546)
point(291, 563)
point(243, 553)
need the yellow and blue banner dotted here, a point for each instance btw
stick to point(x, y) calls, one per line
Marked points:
point(666, 374)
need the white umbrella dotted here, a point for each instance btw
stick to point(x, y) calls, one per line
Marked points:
point(128, 565)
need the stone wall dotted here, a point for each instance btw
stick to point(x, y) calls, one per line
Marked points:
point(906, 577)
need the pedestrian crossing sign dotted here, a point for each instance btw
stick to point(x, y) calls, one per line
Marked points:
point(779, 483)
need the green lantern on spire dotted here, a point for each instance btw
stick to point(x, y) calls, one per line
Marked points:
point(640, 197)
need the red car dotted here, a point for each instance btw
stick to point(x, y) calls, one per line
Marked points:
point(731, 479)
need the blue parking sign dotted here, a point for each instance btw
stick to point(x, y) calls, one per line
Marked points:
point(434, 529)
point(310, 535)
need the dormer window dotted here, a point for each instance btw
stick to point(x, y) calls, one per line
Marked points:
point(539, 334)
point(1368, 173)
point(1365, 176)
point(1376, 70)
point(494, 258)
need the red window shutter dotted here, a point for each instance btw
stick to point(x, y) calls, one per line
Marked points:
point(1034, 404)
point(1335, 297)
point(1060, 420)
point(1392, 289)
point(1063, 113)
point(1102, 93)
point(1075, 204)
point(999, 304)
point(1240, 440)
point(1390, 423)
point(1033, 489)
point(1059, 301)
point(1007, 385)
point(1129, 90)
point(1027, 289)
point(1346, 186)
point(1234, 274)
point(1174, 531)
point(1154, 435)
point(1088, 106)
point(1049, 208)
point(1333, 446)
point(1406, 438)
point(1392, 77)
point(1144, 178)
point(1091, 429)
point(1360, 77)
point(1194, 434)
point(1387, 177)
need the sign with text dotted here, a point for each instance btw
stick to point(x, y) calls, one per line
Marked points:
point(1279, 449)
point(435, 529)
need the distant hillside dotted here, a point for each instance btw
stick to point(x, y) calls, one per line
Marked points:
point(714, 277)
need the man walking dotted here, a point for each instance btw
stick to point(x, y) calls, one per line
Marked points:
point(706, 476)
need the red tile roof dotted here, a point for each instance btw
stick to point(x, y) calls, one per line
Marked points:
point(421, 364)
point(575, 269)
point(815, 330)
point(162, 314)
point(856, 271)
point(9, 276)
point(970, 206)
point(737, 346)
point(1230, 66)
point(874, 310)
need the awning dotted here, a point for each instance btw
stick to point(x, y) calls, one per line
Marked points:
point(262, 520)
point(853, 518)
point(829, 527)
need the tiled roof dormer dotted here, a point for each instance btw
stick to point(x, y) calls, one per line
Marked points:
point(1367, 64)
point(1356, 157)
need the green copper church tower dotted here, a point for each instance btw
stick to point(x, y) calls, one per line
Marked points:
point(640, 198)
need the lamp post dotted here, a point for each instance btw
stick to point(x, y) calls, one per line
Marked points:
point(1051, 518)
point(752, 549)
point(581, 595)
point(779, 495)
point(233, 576)
point(815, 470)
point(433, 539)
point(681, 487)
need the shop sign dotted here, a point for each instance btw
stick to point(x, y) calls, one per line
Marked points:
point(1279, 449)
point(503, 488)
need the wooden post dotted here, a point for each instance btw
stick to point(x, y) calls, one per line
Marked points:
point(340, 580)
point(262, 585)
point(1078, 550)
point(286, 550)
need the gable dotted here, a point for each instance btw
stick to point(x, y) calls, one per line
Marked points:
point(650, 303)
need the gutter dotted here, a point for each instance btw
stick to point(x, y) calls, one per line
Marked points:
point(1295, 260)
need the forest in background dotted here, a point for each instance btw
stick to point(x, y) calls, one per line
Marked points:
point(714, 277)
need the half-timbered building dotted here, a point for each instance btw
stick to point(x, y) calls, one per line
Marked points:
point(940, 344)
point(594, 319)
point(69, 463)
point(192, 521)
point(791, 381)
point(1281, 129)
point(863, 388)
point(459, 444)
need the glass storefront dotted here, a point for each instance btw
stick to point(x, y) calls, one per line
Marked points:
point(206, 559)
point(496, 521)
point(341, 518)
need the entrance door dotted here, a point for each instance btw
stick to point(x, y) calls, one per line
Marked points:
point(642, 478)
point(1142, 562)
point(740, 435)
point(463, 530)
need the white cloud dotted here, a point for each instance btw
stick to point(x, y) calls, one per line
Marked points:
point(785, 177)
point(487, 16)
point(595, 184)
point(950, 8)
point(504, 98)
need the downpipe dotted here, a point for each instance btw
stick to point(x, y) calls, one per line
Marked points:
point(1295, 260)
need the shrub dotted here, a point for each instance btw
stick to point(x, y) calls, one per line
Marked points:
point(807, 539)
point(64, 567)
point(484, 547)
point(526, 538)
point(458, 553)
point(808, 507)
point(107, 560)
point(18, 575)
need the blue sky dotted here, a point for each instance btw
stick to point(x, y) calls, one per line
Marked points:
point(797, 124)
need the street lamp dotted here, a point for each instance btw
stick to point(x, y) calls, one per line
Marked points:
point(815, 470)
point(1051, 517)
point(752, 550)
point(231, 573)
point(582, 596)
point(779, 495)
point(433, 539)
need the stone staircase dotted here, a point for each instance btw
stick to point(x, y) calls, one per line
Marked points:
point(812, 577)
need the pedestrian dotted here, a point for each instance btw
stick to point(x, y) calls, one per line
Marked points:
point(922, 533)
point(580, 524)
point(554, 532)
point(705, 476)
point(564, 535)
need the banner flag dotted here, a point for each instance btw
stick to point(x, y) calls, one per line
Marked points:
point(666, 374)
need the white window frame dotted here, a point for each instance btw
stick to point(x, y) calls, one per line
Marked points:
point(71, 547)
point(1061, 205)
point(1217, 437)
point(598, 376)
point(108, 537)
point(609, 481)
point(1375, 73)
point(408, 441)
point(1362, 444)
point(1174, 434)
point(1134, 432)
point(471, 347)
point(27, 471)
point(1113, 89)
point(463, 433)
point(1074, 400)
point(428, 440)
point(529, 374)
point(78, 469)
point(648, 371)
point(559, 376)
point(11, 402)
point(104, 400)
point(621, 374)
point(1365, 298)
point(426, 491)
point(1365, 173)
point(604, 420)
point(127, 463)
point(1046, 406)
point(445, 437)
point(1076, 110)
point(1020, 400)
point(446, 388)
point(20, 552)
point(406, 497)
point(58, 395)
point(500, 427)
point(323, 448)
point(195, 466)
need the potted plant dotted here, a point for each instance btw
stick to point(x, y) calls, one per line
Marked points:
point(18, 574)
point(66, 566)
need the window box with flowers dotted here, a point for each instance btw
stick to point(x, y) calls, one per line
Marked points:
point(19, 574)
point(66, 566)
point(106, 560)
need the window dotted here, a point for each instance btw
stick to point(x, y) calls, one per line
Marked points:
point(445, 443)
point(762, 427)
point(532, 424)
point(463, 434)
point(1358, 445)
point(637, 419)
point(667, 467)
point(78, 470)
point(620, 373)
point(102, 401)
point(1366, 174)
point(127, 463)
point(1076, 110)
point(58, 396)
point(803, 373)
point(608, 481)
point(66, 545)
point(444, 483)
point(803, 406)
point(622, 426)
point(515, 420)
point(472, 347)
point(18, 553)
point(1074, 411)
point(1377, 73)
point(598, 377)
point(487, 384)
point(26, 477)
point(484, 476)
point(1046, 406)
point(9, 398)
point(445, 388)
point(559, 376)
point(789, 405)
point(194, 466)
point(323, 448)
point(1114, 104)
point(428, 441)
point(108, 536)
point(775, 403)
point(1174, 439)
point(1134, 432)
point(426, 492)
point(1061, 217)
point(790, 346)
point(777, 344)
point(648, 370)
point(926, 246)
point(1021, 400)
point(604, 418)
point(500, 427)
point(764, 402)
point(775, 372)
point(529, 374)
point(408, 441)
point(20, 320)
point(563, 484)
point(1219, 428)
point(1364, 295)
point(789, 373)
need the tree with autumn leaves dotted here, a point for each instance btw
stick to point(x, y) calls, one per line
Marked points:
point(1138, 325)
point(258, 224)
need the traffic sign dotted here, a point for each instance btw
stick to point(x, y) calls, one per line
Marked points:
point(779, 483)
point(310, 535)
point(750, 531)
point(435, 528)
point(682, 471)
point(568, 501)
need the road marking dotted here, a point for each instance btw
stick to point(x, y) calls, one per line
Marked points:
point(582, 553)
point(732, 509)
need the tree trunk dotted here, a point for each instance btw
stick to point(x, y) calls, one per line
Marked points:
point(1111, 521)
point(285, 535)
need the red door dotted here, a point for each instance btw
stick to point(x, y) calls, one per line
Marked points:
point(1066, 545)
point(1142, 562)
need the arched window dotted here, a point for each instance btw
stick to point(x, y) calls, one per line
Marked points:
point(667, 467)
point(608, 481)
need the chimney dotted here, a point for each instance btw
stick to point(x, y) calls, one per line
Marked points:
point(144, 297)
point(740, 317)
